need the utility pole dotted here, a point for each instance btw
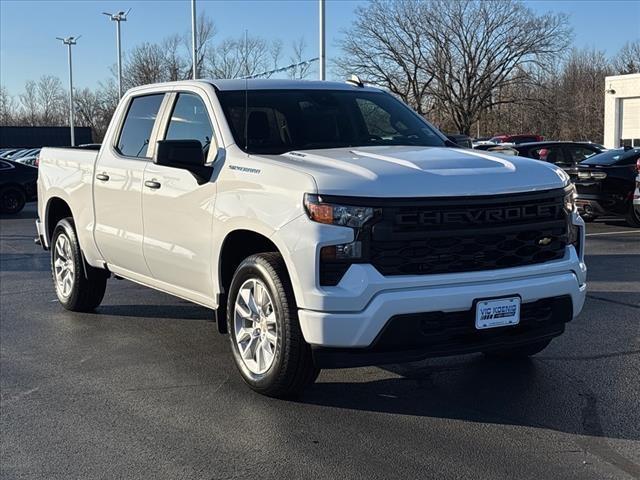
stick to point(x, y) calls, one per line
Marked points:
point(322, 55)
point(194, 37)
point(118, 17)
point(68, 41)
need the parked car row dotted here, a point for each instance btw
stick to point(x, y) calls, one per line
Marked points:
point(18, 177)
point(17, 185)
point(604, 179)
point(26, 156)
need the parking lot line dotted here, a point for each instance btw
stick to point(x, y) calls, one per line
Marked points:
point(612, 233)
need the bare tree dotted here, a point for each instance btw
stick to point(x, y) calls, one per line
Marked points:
point(29, 104)
point(482, 47)
point(52, 104)
point(582, 95)
point(628, 58)
point(301, 70)
point(387, 46)
point(242, 57)
point(177, 67)
point(205, 31)
point(145, 64)
point(275, 52)
point(8, 108)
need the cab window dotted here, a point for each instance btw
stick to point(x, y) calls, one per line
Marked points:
point(190, 121)
point(551, 154)
point(138, 125)
point(578, 154)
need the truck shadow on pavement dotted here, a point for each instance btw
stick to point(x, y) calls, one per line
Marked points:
point(528, 393)
point(173, 312)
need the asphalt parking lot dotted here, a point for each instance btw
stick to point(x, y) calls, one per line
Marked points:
point(145, 388)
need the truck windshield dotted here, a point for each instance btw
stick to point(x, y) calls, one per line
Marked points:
point(281, 121)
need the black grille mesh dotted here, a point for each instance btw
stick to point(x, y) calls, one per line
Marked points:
point(400, 246)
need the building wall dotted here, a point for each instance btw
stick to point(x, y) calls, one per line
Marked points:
point(625, 87)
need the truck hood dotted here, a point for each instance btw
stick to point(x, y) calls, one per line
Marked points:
point(393, 171)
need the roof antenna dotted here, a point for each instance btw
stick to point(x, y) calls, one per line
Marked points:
point(246, 92)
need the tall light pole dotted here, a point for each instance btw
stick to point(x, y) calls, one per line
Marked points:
point(194, 45)
point(322, 55)
point(68, 41)
point(118, 17)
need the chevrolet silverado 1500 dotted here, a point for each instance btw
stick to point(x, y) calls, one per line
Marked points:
point(326, 224)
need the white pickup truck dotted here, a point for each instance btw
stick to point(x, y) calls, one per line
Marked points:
point(326, 224)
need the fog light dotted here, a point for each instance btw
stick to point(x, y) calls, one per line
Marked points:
point(346, 251)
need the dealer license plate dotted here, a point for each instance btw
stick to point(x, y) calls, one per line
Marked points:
point(498, 312)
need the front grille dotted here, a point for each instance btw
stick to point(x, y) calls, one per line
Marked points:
point(463, 235)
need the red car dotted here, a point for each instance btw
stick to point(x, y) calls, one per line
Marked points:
point(517, 139)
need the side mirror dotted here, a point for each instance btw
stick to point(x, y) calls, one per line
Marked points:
point(186, 155)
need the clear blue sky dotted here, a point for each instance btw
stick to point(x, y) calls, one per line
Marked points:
point(28, 48)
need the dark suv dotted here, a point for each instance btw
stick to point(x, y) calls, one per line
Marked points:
point(563, 154)
point(605, 185)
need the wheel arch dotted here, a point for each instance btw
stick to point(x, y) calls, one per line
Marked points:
point(237, 245)
point(56, 210)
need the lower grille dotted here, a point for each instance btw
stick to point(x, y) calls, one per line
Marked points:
point(417, 336)
point(441, 329)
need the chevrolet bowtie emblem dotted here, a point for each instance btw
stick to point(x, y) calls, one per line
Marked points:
point(544, 241)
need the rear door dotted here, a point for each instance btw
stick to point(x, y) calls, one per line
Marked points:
point(118, 185)
point(177, 211)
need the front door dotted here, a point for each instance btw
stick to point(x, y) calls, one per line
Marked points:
point(118, 187)
point(178, 213)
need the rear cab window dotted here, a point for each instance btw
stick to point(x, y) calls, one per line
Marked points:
point(137, 127)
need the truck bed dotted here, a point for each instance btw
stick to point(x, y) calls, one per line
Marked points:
point(66, 173)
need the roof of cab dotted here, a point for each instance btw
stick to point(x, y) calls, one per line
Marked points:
point(281, 84)
point(260, 84)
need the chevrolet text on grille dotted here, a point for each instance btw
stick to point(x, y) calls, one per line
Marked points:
point(490, 215)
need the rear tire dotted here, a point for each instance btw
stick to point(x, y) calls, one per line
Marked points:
point(518, 352)
point(588, 217)
point(262, 319)
point(12, 200)
point(79, 286)
point(633, 216)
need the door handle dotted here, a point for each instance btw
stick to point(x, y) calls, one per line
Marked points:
point(152, 184)
point(103, 177)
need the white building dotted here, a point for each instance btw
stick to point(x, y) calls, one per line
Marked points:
point(622, 111)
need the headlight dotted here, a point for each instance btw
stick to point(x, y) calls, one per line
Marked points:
point(570, 199)
point(332, 214)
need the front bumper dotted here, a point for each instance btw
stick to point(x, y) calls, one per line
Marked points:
point(417, 336)
point(360, 329)
point(601, 204)
point(351, 315)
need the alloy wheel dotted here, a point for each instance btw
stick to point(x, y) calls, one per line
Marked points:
point(256, 330)
point(64, 269)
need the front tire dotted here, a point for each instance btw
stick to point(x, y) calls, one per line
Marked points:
point(79, 287)
point(12, 200)
point(262, 319)
point(522, 351)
